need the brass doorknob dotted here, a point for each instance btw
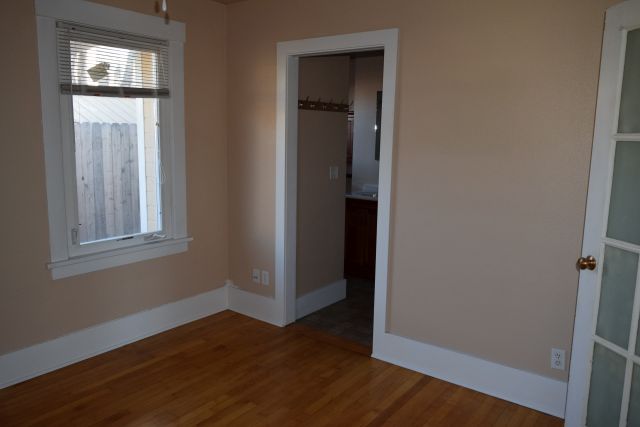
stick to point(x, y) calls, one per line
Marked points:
point(588, 263)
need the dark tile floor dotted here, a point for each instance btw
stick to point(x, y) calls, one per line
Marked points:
point(351, 318)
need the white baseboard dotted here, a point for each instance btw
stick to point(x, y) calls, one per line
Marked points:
point(321, 298)
point(48, 356)
point(524, 388)
point(521, 387)
point(253, 305)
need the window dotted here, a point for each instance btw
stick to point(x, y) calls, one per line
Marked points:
point(113, 134)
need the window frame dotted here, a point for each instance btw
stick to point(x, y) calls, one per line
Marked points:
point(69, 258)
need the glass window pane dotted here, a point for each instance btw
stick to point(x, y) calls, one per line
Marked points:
point(92, 60)
point(100, 65)
point(117, 168)
point(633, 418)
point(605, 390)
point(629, 121)
point(616, 295)
point(624, 206)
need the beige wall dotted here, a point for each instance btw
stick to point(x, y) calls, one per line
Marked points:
point(367, 82)
point(33, 308)
point(322, 143)
point(494, 119)
point(324, 77)
point(494, 122)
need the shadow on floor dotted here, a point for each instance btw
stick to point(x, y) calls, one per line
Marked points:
point(351, 318)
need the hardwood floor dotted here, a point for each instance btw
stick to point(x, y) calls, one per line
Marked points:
point(229, 369)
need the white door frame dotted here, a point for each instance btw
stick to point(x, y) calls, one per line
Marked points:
point(287, 159)
point(619, 19)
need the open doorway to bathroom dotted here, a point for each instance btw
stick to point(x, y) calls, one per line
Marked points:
point(339, 126)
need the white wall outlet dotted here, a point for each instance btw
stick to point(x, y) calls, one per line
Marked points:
point(255, 275)
point(333, 173)
point(557, 359)
point(265, 277)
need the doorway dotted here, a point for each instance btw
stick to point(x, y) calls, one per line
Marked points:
point(339, 113)
point(289, 54)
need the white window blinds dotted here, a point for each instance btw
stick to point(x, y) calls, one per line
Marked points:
point(94, 61)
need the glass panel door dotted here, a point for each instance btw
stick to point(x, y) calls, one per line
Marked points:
point(607, 384)
point(614, 389)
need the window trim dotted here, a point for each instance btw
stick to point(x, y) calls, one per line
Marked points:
point(65, 260)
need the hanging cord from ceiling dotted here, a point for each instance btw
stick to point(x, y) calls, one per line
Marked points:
point(164, 9)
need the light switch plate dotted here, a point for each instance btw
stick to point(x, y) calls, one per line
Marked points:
point(265, 277)
point(333, 173)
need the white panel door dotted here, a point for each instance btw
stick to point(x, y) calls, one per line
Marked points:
point(604, 381)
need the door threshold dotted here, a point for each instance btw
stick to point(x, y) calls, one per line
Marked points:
point(333, 340)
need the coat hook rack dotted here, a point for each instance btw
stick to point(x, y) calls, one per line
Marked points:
point(319, 105)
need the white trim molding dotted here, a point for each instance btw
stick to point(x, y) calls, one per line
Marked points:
point(321, 298)
point(48, 356)
point(253, 305)
point(39, 359)
point(103, 260)
point(66, 254)
point(286, 159)
point(524, 388)
point(123, 20)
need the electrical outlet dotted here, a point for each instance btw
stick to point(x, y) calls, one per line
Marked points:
point(265, 277)
point(333, 173)
point(255, 275)
point(557, 359)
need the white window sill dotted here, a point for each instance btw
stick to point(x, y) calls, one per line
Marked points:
point(103, 260)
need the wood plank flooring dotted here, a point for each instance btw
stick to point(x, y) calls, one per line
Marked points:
point(228, 369)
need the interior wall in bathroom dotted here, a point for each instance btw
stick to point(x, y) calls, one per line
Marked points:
point(368, 73)
point(322, 143)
